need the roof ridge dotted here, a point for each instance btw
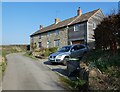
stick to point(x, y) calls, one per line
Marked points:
point(78, 16)
point(74, 20)
point(67, 22)
point(71, 18)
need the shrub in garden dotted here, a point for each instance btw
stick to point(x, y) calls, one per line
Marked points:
point(45, 51)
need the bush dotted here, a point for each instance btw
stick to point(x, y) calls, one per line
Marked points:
point(103, 59)
point(81, 85)
point(107, 33)
point(52, 50)
point(109, 64)
point(46, 51)
point(3, 66)
point(29, 52)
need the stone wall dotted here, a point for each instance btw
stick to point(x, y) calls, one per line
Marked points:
point(51, 36)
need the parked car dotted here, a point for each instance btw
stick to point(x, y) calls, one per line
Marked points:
point(66, 52)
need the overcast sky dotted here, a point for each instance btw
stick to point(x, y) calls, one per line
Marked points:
point(19, 20)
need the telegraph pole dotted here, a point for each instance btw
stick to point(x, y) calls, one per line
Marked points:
point(119, 7)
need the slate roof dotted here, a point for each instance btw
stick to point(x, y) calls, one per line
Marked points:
point(67, 22)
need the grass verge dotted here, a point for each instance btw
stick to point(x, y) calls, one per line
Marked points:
point(73, 85)
point(30, 56)
point(4, 50)
point(109, 65)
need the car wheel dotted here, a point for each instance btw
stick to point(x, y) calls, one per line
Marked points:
point(65, 60)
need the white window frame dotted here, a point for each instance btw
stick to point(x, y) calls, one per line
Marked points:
point(58, 43)
point(40, 36)
point(48, 33)
point(94, 25)
point(57, 32)
point(48, 44)
point(76, 25)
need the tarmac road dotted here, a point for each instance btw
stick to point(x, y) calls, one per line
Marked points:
point(24, 73)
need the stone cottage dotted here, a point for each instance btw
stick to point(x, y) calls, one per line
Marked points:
point(76, 30)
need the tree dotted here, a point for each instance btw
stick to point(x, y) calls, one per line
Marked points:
point(107, 34)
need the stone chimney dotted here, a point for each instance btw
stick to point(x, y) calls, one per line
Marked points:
point(57, 20)
point(79, 12)
point(41, 27)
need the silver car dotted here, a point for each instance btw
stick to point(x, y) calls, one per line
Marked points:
point(66, 52)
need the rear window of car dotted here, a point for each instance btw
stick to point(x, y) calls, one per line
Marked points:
point(78, 47)
point(64, 49)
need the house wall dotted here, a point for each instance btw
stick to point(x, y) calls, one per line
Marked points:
point(94, 20)
point(62, 37)
point(77, 35)
point(67, 35)
point(34, 42)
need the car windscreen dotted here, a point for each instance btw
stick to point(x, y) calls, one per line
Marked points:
point(64, 49)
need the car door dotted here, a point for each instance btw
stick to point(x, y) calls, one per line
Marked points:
point(81, 50)
point(74, 52)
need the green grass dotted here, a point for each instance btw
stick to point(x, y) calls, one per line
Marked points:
point(2, 68)
point(30, 56)
point(107, 62)
point(103, 59)
point(73, 85)
point(45, 52)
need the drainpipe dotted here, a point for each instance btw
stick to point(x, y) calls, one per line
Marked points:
point(86, 34)
point(67, 34)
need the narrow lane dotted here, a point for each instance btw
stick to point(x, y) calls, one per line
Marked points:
point(24, 73)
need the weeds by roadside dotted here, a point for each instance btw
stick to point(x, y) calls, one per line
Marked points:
point(104, 72)
point(30, 56)
point(4, 50)
point(80, 85)
point(43, 52)
point(109, 66)
point(2, 67)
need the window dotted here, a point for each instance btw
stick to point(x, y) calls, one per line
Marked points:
point(48, 44)
point(77, 27)
point(65, 49)
point(94, 26)
point(39, 36)
point(40, 44)
point(56, 43)
point(57, 32)
point(74, 48)
point(81, 47)
point(48, 33)
point(32, 39)
point(77, 47)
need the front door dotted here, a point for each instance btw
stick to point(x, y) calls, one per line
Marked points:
point(78, 42)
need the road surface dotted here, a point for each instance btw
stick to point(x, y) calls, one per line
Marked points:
point(24, 73)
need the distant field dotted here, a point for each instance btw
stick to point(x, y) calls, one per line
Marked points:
point(0, 54)
point(7, 49)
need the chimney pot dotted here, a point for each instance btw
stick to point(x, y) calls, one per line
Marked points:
point(79, 12)
point(57, 20)
point(41, 26)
